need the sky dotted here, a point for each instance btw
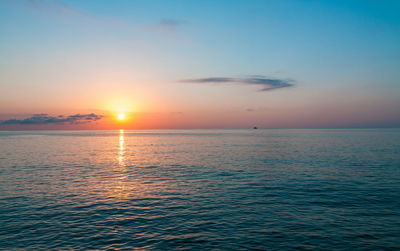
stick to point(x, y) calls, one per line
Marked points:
point(68, 64)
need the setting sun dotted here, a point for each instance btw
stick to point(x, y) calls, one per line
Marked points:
point(121, 116)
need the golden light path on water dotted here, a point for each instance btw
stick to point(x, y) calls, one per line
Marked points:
point(120, 185)
point(121, 152)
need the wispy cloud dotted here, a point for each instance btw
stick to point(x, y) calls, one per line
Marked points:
point(267, 84)
point(55, 7)
point(170, 24)
point(38, 119)
point(59, 9)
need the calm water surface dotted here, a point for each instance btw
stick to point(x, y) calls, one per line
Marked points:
point(200, 190)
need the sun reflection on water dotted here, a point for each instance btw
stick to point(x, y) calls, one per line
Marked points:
point(121, 152)
point(118, 182)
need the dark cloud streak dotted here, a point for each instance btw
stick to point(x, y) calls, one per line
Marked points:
point(267, 84)
point(40, 119)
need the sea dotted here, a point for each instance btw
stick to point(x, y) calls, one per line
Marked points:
point(239, 189)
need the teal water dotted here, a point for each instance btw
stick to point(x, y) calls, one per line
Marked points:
point(200, 190)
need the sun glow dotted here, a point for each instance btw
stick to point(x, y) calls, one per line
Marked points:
point(121, 116)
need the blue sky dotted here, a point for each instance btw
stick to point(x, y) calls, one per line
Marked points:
point(343, 57)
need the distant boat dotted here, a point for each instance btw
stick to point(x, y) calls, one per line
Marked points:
point(255, 127)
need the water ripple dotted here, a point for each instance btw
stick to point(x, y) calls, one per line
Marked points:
point(200, 190)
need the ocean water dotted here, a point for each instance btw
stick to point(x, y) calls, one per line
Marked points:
point(200, 190)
